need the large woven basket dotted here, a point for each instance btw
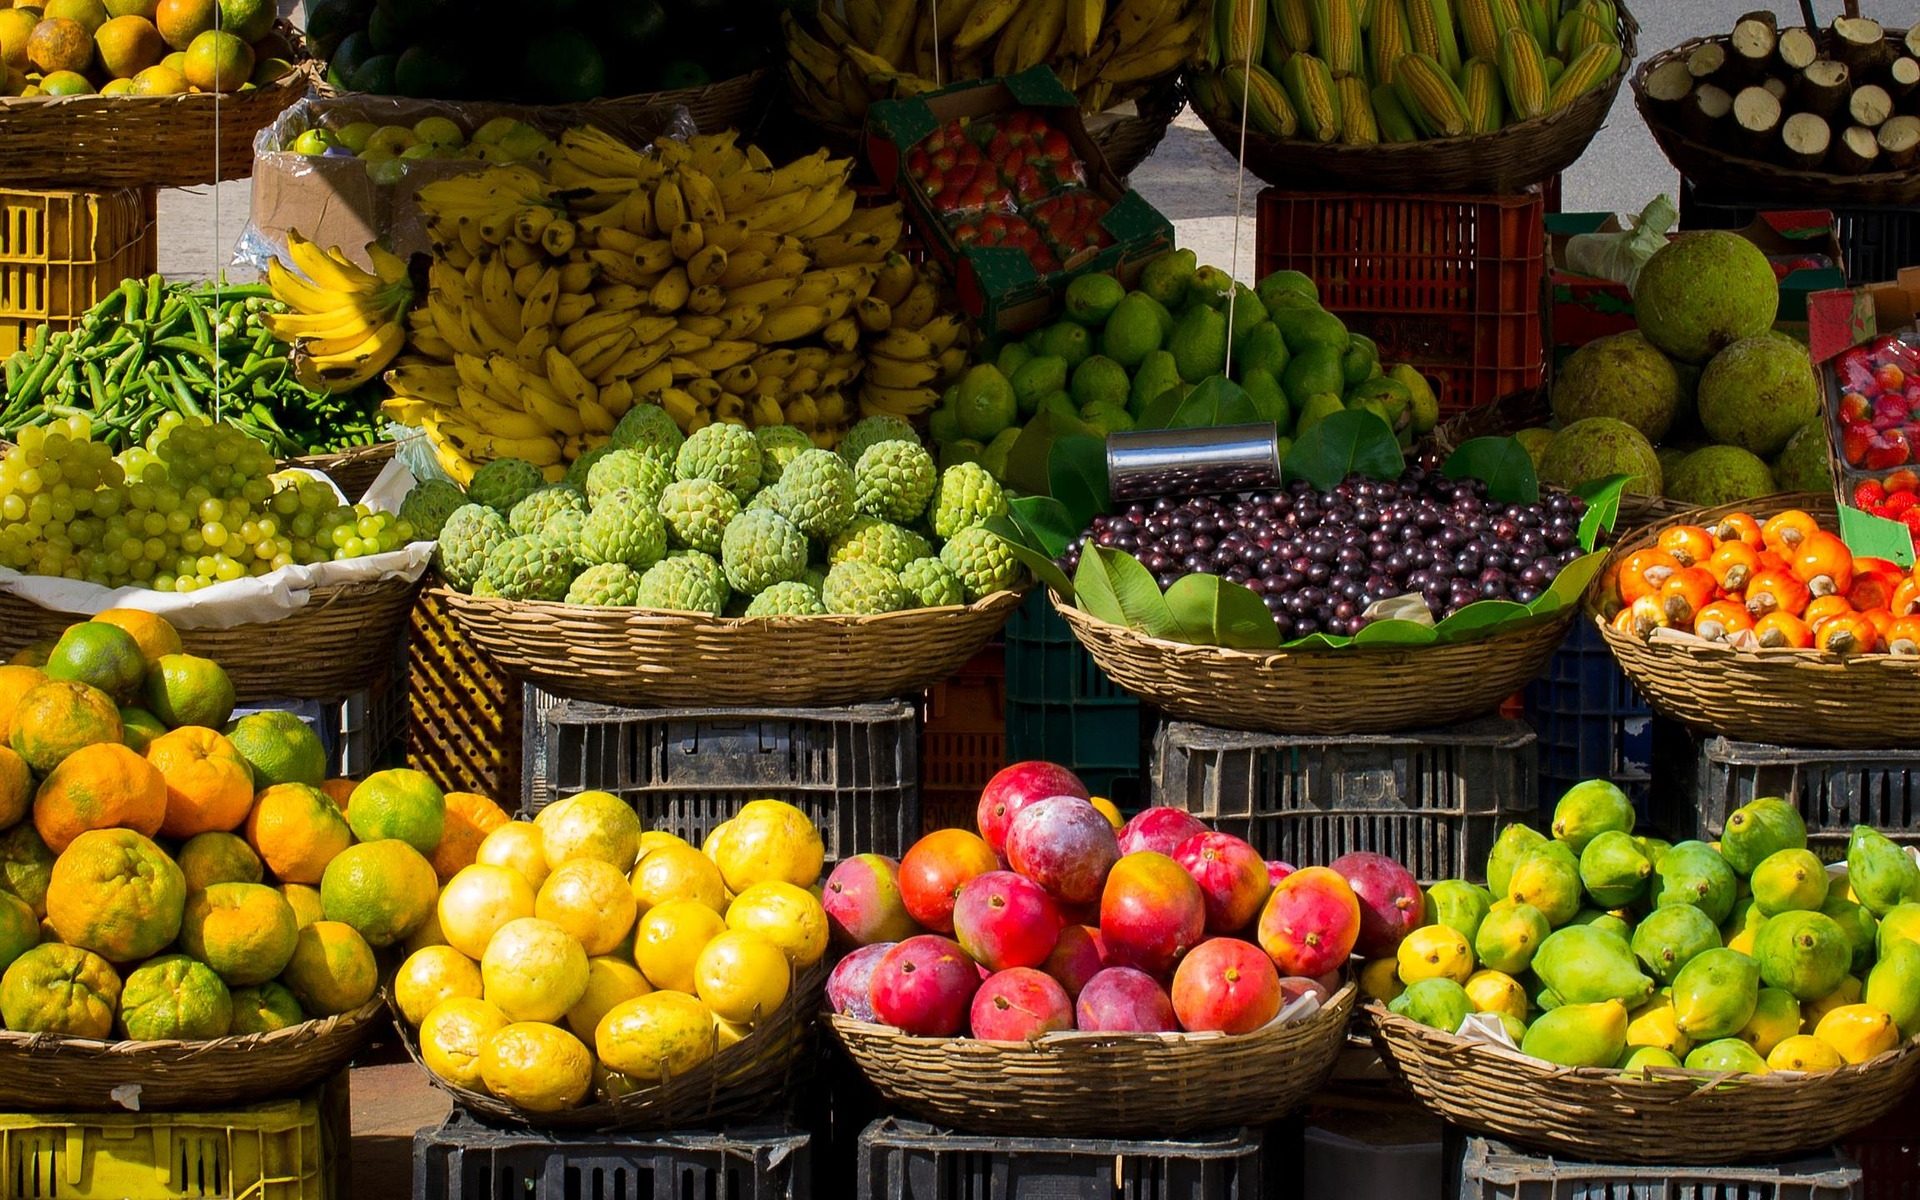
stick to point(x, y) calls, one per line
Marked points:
point(1102, 1084)
point(341, 641)
point(712, 107)
point(1666, 1116)
point(99, 142)
point(1783, 697)
point(1753, 181)
point(1127, 141)
point(648, 658)
point(1501, 163)
point(42, 1072)
point(353, 471)
point(1354, 689)
point(750, 1077)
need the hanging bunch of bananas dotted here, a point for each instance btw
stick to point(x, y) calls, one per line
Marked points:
point(1362, 72)
point(345, 322)
point(694, 275)
point(853, 52)
point(913, 348)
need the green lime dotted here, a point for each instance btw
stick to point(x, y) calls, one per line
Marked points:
point(984, 403)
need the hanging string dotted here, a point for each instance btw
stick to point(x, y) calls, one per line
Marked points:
point(1239, 194)
point(219, 278)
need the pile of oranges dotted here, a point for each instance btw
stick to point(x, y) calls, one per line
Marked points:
point(1782, 583)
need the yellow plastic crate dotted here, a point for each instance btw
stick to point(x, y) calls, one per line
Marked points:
point(283, 1150)
point(463, 726)
point(60, 252)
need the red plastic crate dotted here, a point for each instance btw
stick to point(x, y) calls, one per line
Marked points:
point(1451, 284)
point(963, 740)
point(1888, 1152)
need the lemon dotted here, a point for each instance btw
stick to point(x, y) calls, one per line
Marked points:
point(540, 1067)
point(789, 917)
point(533, 970)
point(452, 1035)
point(519, 845)
point(770, 840)
point(676, 872)
point(1435, 952)
point(656, 1036)
point(591, 900)
point(431, 976)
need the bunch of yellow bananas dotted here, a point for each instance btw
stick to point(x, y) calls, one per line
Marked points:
point(694, 275)
point(345, 324)
point(853, 52)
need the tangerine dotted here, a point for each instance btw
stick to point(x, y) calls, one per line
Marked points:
point(115, 893)
point(155, 635)
point(174, 998)
point(244, 931)
point(296, 831)
point(384, 889)
point(57, 718)
point(332, 969)
point(264, 1009)
point(209, 786)
point(60, 989)
point(470, 818)
point(102, 786)
point(96, 652)
point(185, 689)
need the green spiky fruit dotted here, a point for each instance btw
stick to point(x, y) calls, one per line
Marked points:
point(894, 481)
point(816, 493)
point(862, 589)
point(503, 483)
point(790, 599)
point(606, 585)
point(564, 526)
point(576, 476)
point(697, 512)
point(634, 470)
point(983, 562)
point(540, 505)
point(879, 542)
point(623, 528)
point(470, 534)
point(761, 548)
point(647, 427)
point(779, 445)
point(965, 497)
point(868, 430)
point(428, 506)
point(683, 583)
point(528, 567)
point(932, 583)
point(729, 455)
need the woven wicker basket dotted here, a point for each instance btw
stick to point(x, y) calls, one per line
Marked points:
point(1782, 697)
point(1126, 142)
point(648, 658)
point(341, 641)
point(100, 142)
point(352, 470)
point(42, 1072)
point(1501, 163)
point(1355, 689)
point(748, 1078)
point(1102, 1084)
point(1598, 1115)
point(1753, 181)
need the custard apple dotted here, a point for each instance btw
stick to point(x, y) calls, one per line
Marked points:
point(576, 476)
point(607, 585)
point(471, 532)
point(894, 481)
point(631, 469)
point(982, 560)
point(648, 428)
point(932, 583)
point(790, 599)
point(779, 445)
point(539, 505)
point(816, 493)
point(428, 506)
point(529, 567)
point(729, 455)
point(863, 589)
point(869, 430)
point(564, 527)
point(760, 549)
point(681, 583)
point(624, 527)
point(878, 542)
point(966, 496)
point(708, 566)
point(697, 512)
point(503, 483)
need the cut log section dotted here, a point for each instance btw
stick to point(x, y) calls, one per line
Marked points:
point(1899, 143)
point(1707, 60)
point(1822, 88)
point(1704, 113)
point(1670, 82)
point(1757, 115)
point(1903, 76)
point(1754, 39)
point(1860, 42)
point(1798, 49)
point(1805, 140)
point(1870, 106)
point(1856, 153)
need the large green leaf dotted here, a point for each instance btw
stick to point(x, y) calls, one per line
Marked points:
point(1029, 456)
point(1037, 561)
point(1077, 477)
point(1479, 619)
point(1045, 523)
point(1211, 403)
point(1570, 584)
point(1343, 444)
point(1503, 464)
point(1396, 633)
point(1211, 611)
point(1603, 507)
point(1320, 641)
point(1113, 586)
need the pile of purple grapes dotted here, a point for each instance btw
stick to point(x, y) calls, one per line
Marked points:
point(1320, 559)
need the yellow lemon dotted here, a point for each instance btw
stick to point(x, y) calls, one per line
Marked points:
point(598, 825)
point(591, 900)
point(676, 872)
point(539, 1067)
point(518, 845)
point(789, 917)
point(741, 976)
point(1497, 992)
point(1380, 980)
point(770, 840)
point(1435, 952)
point(656, 1036)
point(1804, 1052)
point(451, 1037)
point(1858, 1032)
point(533, 970)
point(477, 901)
point(670, 939)
point(610, 981)
point(431, 976)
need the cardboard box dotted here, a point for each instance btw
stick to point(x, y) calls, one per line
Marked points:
point(999, 286)
point(1838, 321)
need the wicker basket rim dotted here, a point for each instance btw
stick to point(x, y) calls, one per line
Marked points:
point(303, 75)
point(326, 91)
point(11, 1040)
point(674, 617)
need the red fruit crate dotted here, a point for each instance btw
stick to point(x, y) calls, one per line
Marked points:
point(963, 740)
point(1451, 284)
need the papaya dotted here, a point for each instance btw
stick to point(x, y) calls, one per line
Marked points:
point(1579, 1035)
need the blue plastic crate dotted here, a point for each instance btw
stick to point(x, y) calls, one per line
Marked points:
point(1591, 722)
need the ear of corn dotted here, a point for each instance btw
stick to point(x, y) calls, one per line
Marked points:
point(1580, 29)
point(1594, 66)
point(1523, 72)
point(1293, 21)
point(1431, 97)
point(1480, 91)
point(1336, 35)
point(1357, 126)
point(1555, 69)
point(1539, 16)
point(1387, 40)
point(1310, 84)
point(1390, 116)
point(1240, 28)
point(1430, 24)
point(1479, 37)
point(1268, 108)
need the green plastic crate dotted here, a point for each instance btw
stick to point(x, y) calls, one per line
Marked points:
point(1061, 707)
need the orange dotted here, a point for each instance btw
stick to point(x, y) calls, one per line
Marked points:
point(519, 846)
point(16, 788)
point(432, 976)
point(399, 803)
point(209, 786)
point(669, 941)
point(59, 717)
point(174, 998)
point(589, 899)
point(610, 982)
point(248, 20)
point(60, 989)
point(741, 977)
point(304, 901)
point(65, 83)
point(15, 681)
point(217, 61)
point(264, 1009)
point(15, 26)
point(470, 818)
point(656, 1036)
point(452, 1036)
point(90, 13)
point(297, 831)
point(180, 21)
point(676, 871)
point(591, 825)
point(535, 1066)
point(155, 635)
point(130, 8)
point(19, 929)
point(26, 866)
point(384, 889)
point(138, 726)
point(340, 791)
point(427, 935)
point(33, 654)
point(57, 44)
point(115, 893)
point(95, 652)
point(770, 840)
point(99, 787)
point(160, 81)
point(185, 689)
point(281, 748)
point(210, 858)
point(478, 901)
point(332, 969)
point(244, 931)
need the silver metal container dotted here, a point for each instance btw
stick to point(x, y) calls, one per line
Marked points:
point(1192, 462)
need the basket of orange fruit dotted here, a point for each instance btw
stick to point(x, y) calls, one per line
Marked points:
point(134, 93)
point(595, 975)
point(1758, 623)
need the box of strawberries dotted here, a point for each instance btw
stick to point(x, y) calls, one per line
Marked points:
point(1867, 344)
point(1014, 196)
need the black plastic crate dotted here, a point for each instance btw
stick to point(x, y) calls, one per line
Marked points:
point(1432, 799)
point(463, 1159)
point(1491, 1170)
point(1592, 724)
point(905, 1160)
point(854, 770)
point(1876, 241)
point(1833, 789)
point(1888, 1152)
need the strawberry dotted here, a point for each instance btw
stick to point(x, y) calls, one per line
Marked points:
point(1898, 503)
point(1901, 481)
point(1853, 442)
point(1887, 448)
point(1868, 494)
point(1911, 519)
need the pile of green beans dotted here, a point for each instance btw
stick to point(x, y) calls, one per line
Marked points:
point(152, 347)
